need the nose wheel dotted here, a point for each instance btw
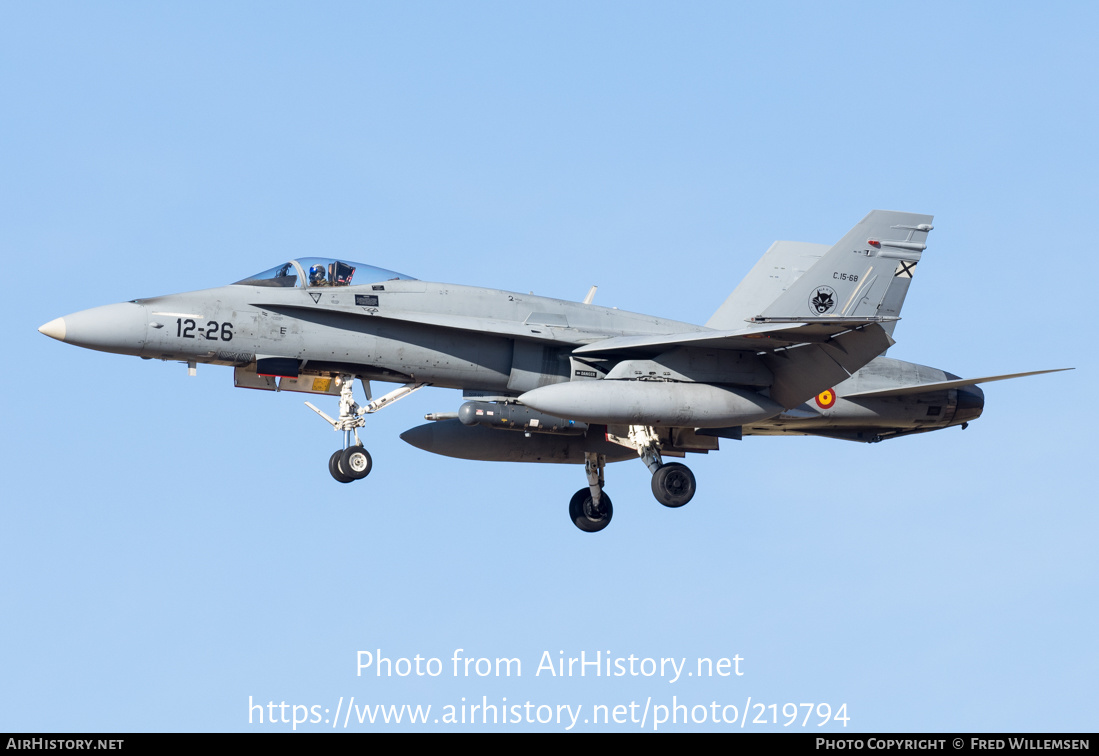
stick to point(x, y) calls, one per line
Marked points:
point(334, 467)
point(352, 463)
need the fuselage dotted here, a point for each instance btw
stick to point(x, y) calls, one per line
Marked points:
point(443, 334)
point(461, 337)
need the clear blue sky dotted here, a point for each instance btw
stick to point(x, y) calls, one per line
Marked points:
point(172, 546)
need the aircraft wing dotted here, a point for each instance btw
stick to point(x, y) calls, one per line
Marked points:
point(920, 388)
point(763, 338)
point(804, 358)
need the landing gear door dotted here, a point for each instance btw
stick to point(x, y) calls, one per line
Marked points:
point(310, 384)
point(246, 377)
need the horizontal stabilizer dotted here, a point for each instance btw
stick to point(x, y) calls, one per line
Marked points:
point(804, 371)
point(920, 388)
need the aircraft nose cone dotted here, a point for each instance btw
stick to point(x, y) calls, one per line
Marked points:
point(55, 329)
point(118, 328)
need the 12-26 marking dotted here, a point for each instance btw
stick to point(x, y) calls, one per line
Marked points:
point(213, 331)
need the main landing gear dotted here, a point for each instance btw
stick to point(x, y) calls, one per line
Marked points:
point(673, 484)
point(590, 508)
point(353, 462)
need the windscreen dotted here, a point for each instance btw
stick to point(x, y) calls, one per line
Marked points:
point(322, 271)
point(280, 275)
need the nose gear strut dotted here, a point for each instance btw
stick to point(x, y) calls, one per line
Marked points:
point(352, 462)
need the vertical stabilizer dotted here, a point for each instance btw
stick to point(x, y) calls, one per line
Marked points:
point(781, 265)
point(866, 274)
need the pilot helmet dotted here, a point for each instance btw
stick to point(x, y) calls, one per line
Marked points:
point(316, 274)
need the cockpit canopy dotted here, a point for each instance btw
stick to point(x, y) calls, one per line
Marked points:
point(308, 272)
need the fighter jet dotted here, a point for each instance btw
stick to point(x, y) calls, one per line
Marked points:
point(796, 349)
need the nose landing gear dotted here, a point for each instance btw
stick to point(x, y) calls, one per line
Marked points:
point(353, 461)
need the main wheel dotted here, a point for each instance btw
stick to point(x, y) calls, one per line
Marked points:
point(334, 468)
point(585, 515)
point(673, 484)
point(355, 462)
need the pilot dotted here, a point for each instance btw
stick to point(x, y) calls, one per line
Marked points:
point(316, 276)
